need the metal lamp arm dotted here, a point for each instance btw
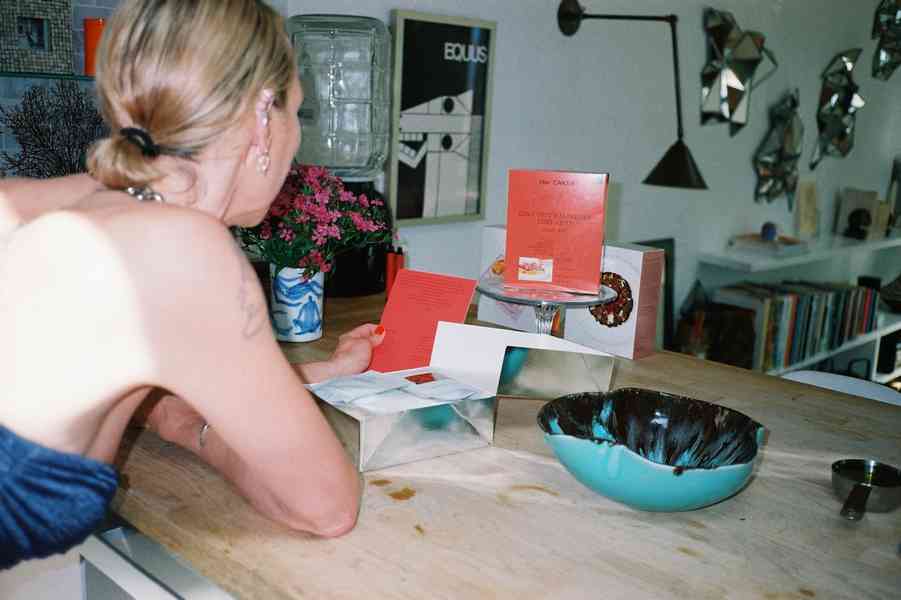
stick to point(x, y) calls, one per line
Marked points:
point(677, 168)
point(672, 20)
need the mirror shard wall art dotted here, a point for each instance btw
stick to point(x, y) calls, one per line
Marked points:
point(443, 71)
point(729, 76)
point(887, 29)
point(838, 106)
point(777, 157)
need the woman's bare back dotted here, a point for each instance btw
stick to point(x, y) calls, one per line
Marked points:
point(76, 361)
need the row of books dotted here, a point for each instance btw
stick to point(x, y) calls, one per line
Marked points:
point(795, 320)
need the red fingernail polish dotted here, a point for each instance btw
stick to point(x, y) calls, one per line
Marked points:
point(380, 330)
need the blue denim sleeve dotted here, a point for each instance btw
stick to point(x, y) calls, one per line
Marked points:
point(50, 501)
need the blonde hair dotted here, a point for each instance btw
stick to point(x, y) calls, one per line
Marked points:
point(183, 71)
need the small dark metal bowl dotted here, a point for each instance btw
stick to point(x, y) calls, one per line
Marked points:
point(866, 485)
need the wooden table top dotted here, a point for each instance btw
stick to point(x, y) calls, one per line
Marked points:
point(509, 522)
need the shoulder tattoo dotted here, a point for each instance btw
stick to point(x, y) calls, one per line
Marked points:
point(253, 313)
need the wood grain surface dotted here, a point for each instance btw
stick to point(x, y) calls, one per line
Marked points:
point(509, 522)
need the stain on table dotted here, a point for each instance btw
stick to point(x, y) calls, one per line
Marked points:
point(403, 494)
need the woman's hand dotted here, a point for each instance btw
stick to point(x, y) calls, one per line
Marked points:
point(354, 351)
point(171, 418)
point(351, 356)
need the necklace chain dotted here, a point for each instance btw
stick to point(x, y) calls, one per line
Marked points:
point(145, 194)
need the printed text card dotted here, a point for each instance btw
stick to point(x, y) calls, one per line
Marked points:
point(418, 301)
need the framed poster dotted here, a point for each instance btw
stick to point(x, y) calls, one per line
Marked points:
point(36, 36)
point(441, 111)
point(857, 214)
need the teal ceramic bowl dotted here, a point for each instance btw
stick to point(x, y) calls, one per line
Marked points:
point(651, 450)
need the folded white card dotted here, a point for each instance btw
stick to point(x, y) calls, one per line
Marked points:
point(475, 354)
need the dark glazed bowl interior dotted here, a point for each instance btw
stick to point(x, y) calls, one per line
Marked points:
point(666, 429)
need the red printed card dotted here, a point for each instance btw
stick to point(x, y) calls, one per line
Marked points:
point(417, 302)
point(555, 230)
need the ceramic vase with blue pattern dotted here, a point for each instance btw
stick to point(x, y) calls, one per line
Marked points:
point(296, 308)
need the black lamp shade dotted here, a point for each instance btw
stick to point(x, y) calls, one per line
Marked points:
point(677, 169)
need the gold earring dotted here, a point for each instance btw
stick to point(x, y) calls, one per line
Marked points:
point(263, 162)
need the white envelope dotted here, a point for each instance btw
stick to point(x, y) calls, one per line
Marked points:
point(475, 354)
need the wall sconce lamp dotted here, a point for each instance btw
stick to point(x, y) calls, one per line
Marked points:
point(677, 168)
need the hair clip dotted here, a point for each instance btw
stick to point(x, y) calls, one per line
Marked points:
point(142, 140)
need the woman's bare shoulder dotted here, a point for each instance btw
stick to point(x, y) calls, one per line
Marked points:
point(189, 264)
point(175, 243)
point(129, 229)
point(143, 250)
point(140, 278)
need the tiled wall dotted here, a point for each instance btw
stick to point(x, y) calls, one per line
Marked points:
point(83, 9)
point(12, 88)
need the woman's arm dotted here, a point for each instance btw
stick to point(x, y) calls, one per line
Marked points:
point(175, 421)
point(22, 199)
point(208, 325)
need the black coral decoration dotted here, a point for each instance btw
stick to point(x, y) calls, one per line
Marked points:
point(54, 128)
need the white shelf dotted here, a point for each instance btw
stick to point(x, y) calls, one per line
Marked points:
point(824, 248)
point(886, 323)
point(886, 377)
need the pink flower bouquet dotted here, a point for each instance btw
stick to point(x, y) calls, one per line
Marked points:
point(312, 220)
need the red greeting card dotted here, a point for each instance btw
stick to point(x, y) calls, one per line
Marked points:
point(417, 302)
point(555, 230)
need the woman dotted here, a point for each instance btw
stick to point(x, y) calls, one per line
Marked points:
point(127, 284)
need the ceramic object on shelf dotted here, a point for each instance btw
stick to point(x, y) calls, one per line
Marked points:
point(651, 450)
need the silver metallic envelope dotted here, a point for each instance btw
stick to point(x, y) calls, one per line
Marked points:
point(547, 374)
point(398, 435)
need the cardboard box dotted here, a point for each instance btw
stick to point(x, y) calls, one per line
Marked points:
point(627, 326)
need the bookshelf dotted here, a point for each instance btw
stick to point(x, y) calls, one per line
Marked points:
point(886, 323)
point(742, 263)
point(886, 378)
point(824, 248)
